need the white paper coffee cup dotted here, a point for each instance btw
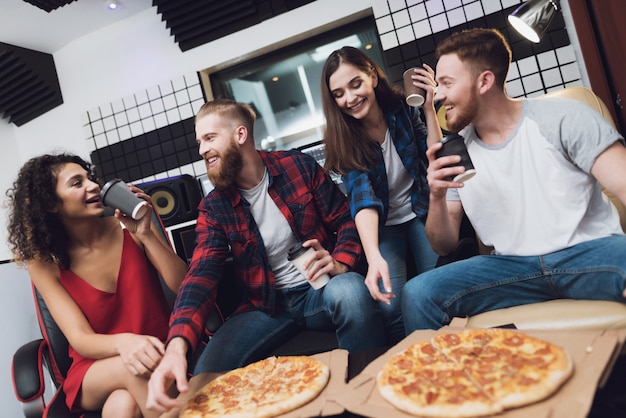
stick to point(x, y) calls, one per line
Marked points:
point(298, 254)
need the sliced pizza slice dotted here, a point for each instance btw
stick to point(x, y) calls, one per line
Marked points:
point(512, 367)
point(517, 369)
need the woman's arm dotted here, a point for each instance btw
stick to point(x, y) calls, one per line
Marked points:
point(169, 265)
point(425, 79)
point(366, 221)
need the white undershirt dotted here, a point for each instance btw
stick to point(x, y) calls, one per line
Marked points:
point(275, 232)
point(400, 182)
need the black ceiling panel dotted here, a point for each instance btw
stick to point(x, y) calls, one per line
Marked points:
point(49, 5)
point(29, 86)
point(193, 23)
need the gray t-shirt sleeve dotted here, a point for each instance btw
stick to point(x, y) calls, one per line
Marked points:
point(579, 132)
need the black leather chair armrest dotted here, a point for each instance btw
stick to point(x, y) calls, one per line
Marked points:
point(27, 371)
point(29, 383)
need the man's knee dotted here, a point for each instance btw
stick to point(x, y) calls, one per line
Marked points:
point(415, 288)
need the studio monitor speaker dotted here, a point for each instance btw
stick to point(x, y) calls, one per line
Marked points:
point(183, 238)
point(175, 199)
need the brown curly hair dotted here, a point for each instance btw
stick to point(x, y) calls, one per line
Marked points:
point(35, 232)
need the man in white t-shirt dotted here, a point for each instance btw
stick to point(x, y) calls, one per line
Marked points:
point(536, 197)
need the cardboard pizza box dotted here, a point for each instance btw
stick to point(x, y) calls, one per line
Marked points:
point(325, 404)
point(593, 353)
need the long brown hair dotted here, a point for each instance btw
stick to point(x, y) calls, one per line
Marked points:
point(348, 145)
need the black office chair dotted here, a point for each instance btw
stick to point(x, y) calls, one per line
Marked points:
point(50, 353)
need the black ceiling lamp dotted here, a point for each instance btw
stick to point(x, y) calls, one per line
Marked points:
point(533, 17)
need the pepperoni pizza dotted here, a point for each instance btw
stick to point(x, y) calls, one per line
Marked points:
point(473, 373)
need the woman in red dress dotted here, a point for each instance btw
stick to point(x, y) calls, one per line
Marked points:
point(100, 281)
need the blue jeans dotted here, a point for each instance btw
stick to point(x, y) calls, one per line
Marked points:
point(343, 305)
point(393, 243)
point(591, 270)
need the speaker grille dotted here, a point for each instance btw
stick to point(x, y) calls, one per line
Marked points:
point(176, 199)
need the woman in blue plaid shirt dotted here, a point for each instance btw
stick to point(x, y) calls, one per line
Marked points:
point(378, 144)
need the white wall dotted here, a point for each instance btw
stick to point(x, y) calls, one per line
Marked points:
point(107, 65)
point(19, 325)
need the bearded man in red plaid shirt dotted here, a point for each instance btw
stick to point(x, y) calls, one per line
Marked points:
point(262, 204)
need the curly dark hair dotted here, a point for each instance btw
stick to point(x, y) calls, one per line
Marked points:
point(35, 232)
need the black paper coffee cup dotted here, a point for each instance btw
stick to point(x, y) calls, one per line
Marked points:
point(454, 144)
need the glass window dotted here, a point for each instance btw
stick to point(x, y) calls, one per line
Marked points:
point(283, 86)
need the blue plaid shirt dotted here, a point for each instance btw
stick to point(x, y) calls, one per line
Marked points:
point(371, 190)
point(314, 208)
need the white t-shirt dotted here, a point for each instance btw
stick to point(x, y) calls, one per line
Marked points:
point(400, 182)
point(534, 194)
point(276, 233)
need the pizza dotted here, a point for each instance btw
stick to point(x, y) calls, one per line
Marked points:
point(472, 373)
point(265, 388)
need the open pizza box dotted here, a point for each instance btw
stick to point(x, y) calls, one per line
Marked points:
point(593, 353)
point(325, 404)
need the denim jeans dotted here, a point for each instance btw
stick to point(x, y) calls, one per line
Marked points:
point(591, 270)
point(393, 243)
point(343, 305)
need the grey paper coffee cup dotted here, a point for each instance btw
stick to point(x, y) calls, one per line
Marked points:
point(117, 195)
point(298, 254)
point(454, 144)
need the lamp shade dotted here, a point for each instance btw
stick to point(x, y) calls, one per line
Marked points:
point(533, 17)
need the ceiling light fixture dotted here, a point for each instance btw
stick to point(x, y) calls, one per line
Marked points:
point(322, 52)
point(533, 17)
point(113, 4)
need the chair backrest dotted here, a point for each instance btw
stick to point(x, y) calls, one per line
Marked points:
point(585, 95)
point(588, 97)
point(57, 359)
